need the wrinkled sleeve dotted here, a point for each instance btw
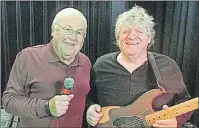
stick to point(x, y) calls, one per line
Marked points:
point(15, 98)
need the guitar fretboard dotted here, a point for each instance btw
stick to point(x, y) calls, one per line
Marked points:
point(173, 111)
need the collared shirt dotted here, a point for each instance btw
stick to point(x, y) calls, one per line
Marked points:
point(37, 75)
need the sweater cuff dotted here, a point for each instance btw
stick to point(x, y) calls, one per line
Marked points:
point(41, 110)
point(182, 119)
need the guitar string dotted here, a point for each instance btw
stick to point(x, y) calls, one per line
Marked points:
point(133, 123)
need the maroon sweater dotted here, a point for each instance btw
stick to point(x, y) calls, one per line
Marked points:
point(36, 76)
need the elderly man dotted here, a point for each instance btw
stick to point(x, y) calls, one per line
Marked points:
point(119, 78)
point(35, 88)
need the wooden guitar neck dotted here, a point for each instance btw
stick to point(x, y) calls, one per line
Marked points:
point(173, 111)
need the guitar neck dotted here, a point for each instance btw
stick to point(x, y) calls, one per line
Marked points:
point(173, 111)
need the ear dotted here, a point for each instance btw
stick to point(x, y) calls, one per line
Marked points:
point(149, 39)
point(52, 30)
point(52, 33)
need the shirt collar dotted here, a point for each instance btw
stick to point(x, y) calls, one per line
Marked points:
point(50, 54)
point(52, 57)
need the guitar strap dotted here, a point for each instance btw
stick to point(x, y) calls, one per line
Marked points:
point(156, 71)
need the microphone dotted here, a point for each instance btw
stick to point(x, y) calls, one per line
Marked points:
point(68, 85)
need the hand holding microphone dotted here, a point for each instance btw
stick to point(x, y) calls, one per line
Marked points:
point(58, 105)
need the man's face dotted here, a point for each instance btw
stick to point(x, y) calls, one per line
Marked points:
point(68, 37)
point(133, 41)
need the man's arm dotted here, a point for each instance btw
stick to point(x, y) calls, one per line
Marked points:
point(15, 98)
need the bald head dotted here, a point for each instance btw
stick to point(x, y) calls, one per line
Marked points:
point(62, 15)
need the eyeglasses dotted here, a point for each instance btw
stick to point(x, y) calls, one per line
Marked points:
point(69, 31)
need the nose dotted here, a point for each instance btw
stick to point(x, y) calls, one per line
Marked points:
point(73, 36)
point(132, 34)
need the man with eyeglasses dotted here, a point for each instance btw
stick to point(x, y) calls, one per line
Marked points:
point(35, 88)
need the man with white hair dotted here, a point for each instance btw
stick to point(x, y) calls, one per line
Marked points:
point(120, 78)
point(35, 89)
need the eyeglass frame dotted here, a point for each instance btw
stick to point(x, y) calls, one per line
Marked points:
point(71, 31)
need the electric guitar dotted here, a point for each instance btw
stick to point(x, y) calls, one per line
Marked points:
point(140, 114)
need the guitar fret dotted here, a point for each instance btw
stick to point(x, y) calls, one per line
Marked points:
point(180, 109)
point(172, 112)
point(188, 107)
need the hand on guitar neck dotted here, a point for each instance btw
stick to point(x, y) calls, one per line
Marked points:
point(169, 123)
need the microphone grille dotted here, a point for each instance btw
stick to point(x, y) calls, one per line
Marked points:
point(69, 83)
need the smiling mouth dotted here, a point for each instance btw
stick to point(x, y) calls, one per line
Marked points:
point(132, 43)
point(69, 44)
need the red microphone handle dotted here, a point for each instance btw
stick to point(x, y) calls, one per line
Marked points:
point(66, 92)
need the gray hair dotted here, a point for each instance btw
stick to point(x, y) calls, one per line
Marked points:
point(70, 11)
point(136, 16)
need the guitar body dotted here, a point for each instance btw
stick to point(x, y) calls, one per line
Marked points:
point(140, 113)
point(131, 115)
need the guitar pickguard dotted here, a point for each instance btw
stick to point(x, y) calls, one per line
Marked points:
point(129, 122)
point(136, 121)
